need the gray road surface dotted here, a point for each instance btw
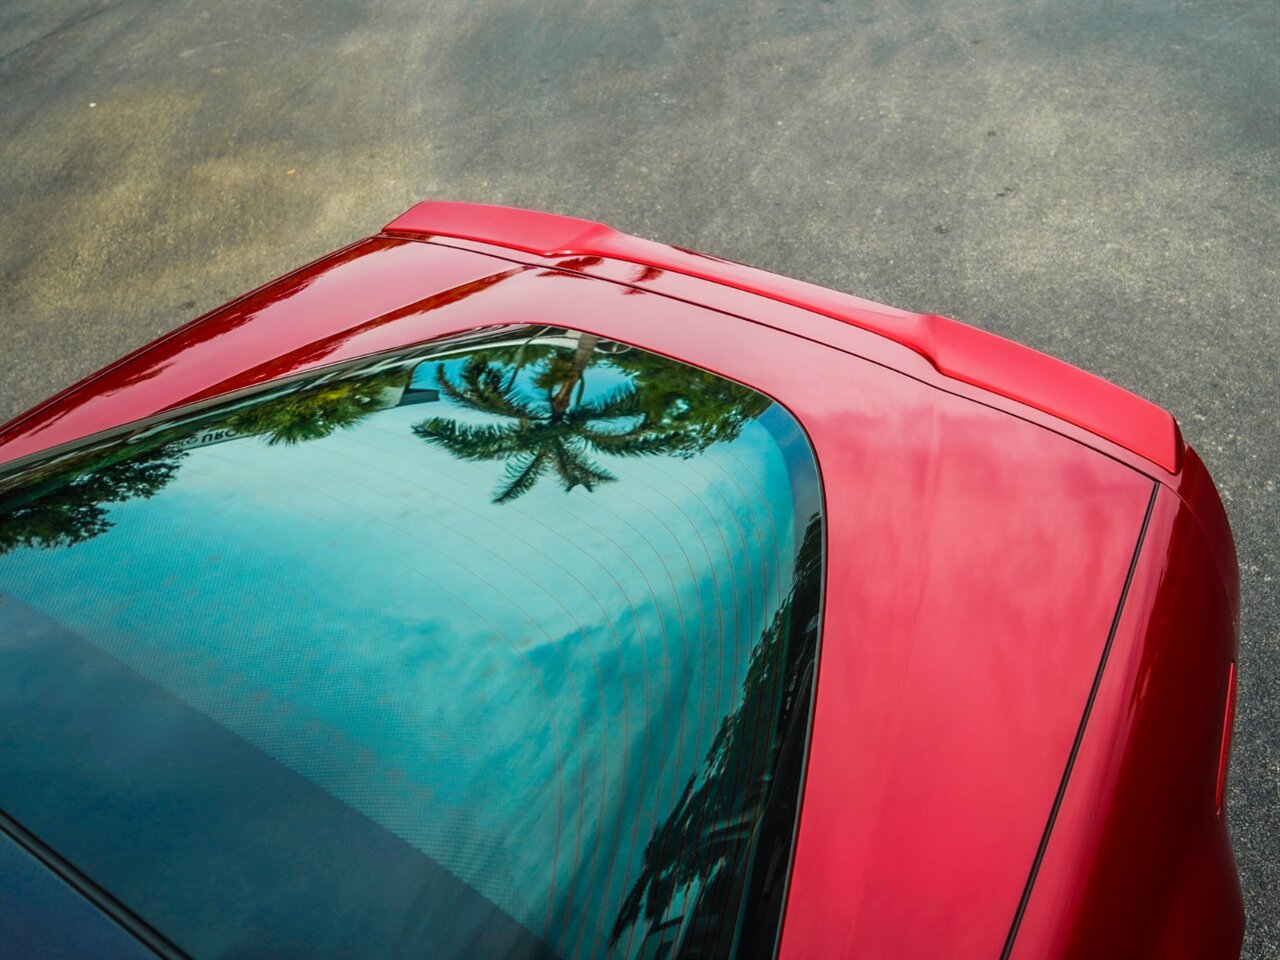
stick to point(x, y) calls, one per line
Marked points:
point(1096, 180)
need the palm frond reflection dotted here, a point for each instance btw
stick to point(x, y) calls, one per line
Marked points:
point(541, 420)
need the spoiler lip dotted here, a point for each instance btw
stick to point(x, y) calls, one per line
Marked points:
point(956, 350)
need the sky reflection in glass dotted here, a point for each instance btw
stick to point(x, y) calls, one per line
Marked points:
point(519, 687)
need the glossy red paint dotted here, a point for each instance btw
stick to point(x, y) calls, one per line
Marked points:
point(1195, 487)
point(956, 350)
point(977, 552)
point(1139, 863)
point(288, 325)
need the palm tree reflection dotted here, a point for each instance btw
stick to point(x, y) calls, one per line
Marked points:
point(550, 426)
point(546, 431)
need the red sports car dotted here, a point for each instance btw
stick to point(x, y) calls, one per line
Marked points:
point(503, 585)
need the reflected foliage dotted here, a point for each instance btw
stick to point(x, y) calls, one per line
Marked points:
point(316, 411)
point(698, 407)
point(546, 424)
point(543, 422)
point(66, 502)
point(730, 832)
point(69, 505)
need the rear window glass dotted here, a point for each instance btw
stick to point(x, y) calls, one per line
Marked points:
point(500, 646)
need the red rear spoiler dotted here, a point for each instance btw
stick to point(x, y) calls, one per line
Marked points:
point(958, 351)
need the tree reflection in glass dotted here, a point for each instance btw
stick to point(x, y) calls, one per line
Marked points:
point(69, 505)
point(534, 394)
point(547, 424)
point(314, 412)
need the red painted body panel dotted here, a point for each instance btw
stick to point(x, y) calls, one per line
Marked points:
point(296, 322)
point(977, 550)
point(1139, 863)
point(1195, 487)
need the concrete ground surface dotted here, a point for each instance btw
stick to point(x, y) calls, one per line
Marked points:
point(1096, 180)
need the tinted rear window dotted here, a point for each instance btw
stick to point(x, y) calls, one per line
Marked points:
point(500, 646)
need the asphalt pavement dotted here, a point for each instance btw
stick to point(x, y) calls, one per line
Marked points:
point(1097, 180)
